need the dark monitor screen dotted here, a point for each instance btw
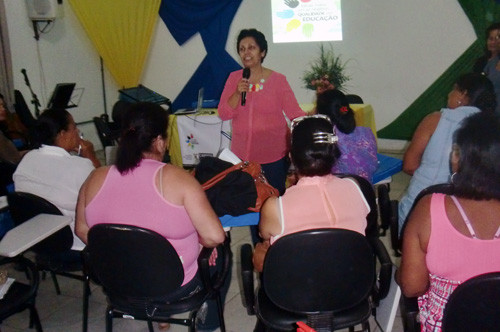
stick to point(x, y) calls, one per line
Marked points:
point(61, 95)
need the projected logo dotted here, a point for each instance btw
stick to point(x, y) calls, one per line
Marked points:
point(306, 20)
point(191, 141)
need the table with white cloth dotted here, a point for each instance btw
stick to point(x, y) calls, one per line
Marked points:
point(192, 136)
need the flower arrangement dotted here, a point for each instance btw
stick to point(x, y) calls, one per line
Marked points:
point(327, 72)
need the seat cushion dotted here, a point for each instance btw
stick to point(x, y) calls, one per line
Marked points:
point(276, 318)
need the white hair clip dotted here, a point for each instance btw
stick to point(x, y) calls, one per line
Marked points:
point(325, 138)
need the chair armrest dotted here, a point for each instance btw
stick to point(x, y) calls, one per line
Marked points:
point(384, 206)
point(214, 281)
point(88, 273)
point(247, 278)
point(394, 223)
point(409, 313)
point(385, 273)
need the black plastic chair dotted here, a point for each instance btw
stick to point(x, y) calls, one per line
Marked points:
point(6, 171)
point(372, 233)
point(388, 211)
point(106, 135)
point(323, 277)
point(137, 268)
point(21, 295)
point(51, 251)
point(474, 305)
point(372, 228)
point(23, 111)
point(354, 99)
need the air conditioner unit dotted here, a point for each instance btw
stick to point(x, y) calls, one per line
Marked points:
point(42, 10)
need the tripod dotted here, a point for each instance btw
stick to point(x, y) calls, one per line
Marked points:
point(35, 100)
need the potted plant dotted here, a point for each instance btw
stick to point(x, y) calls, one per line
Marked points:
point(327, 72)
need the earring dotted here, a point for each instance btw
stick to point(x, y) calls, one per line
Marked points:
point(453, 177)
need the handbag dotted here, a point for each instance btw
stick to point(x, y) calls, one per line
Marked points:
point(264, 189)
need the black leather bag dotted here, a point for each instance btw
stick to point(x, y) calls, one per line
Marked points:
point(234, 194)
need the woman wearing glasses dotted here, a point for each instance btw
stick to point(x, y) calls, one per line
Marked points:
point(319, 199)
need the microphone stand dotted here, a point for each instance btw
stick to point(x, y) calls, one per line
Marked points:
point(35, 100)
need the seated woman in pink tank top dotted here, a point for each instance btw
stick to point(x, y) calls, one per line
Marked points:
point(450, 239)
point(141, 190)
point(319, 199)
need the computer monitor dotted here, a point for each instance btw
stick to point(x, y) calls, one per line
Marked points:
point(62, 95)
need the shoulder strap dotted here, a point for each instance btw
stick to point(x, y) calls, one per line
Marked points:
point(497, 234)
point(161, 181)
point(464, 216)
point(214, 180)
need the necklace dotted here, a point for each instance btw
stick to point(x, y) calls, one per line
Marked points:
point(257, 87)
point(260, 85)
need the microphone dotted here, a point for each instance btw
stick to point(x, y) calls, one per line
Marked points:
point(26, 81)
point(246, 74)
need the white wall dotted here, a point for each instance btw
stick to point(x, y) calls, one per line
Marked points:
point(396, 48)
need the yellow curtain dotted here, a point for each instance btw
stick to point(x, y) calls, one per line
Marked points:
point(121, 30)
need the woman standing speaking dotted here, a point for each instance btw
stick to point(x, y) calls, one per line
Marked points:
point(255, 103)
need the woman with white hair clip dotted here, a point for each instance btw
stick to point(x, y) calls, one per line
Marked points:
point(319, 199)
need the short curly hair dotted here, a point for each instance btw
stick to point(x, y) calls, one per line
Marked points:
point(259, 37)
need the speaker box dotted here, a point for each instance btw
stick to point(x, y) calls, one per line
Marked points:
point(42, 10)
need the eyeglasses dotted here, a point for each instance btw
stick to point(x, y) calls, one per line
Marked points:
point(319, 137)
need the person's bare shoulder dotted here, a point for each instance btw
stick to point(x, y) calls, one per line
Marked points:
point(422, 135)
point(96, 179)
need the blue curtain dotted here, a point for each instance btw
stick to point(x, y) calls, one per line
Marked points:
point(211, 18)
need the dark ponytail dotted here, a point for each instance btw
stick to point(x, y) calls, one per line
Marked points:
point(334, 104)
point(143, 122)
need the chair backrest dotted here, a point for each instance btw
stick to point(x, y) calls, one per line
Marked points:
point(319, 270)
point(442, 188)
point(6, 171)
point(23, 111)
point(133, 262)
point(103, 131)
point(354, 99)
point(24, 206)
point(369, 193)
point(474, 305)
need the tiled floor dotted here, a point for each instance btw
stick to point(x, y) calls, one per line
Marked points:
point(63, 313)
